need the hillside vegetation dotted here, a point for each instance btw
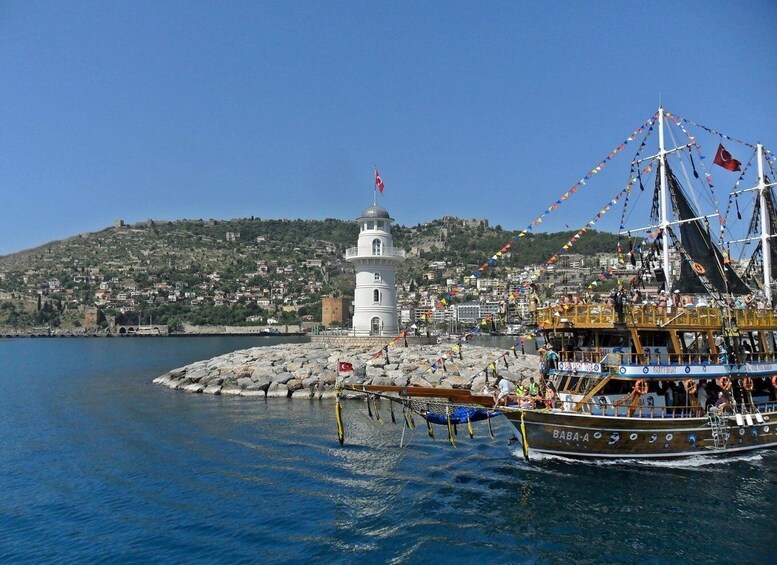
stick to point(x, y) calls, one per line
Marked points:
point(227, 272)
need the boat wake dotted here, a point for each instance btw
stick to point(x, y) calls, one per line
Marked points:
point(692, 462)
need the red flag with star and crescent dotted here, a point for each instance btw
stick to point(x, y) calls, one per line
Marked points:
point(378, 181)
point(724, 159)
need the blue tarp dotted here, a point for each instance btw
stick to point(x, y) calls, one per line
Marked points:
point(460, 415)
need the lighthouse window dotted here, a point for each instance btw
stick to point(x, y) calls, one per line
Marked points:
point(376, 296)
point(379, 224)
point(370, 225)
point(377, 277)
point(377, 247)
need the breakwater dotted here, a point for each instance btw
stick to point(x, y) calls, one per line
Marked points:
point(309, 370)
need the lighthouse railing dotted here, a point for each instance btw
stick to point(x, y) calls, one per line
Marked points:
point(369, 252)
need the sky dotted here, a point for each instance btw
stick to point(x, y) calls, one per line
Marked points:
point(185, 110)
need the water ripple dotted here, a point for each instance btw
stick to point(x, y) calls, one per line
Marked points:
point(99, 465)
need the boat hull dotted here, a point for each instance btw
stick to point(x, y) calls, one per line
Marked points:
point(602, 437)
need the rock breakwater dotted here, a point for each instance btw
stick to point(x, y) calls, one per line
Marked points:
point(309, 370)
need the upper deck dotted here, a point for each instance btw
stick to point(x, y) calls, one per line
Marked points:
point(649, 316)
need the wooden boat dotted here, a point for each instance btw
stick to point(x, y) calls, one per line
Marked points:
point(628, 374)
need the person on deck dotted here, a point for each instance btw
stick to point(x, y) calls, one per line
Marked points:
point(504, 391)
point(722, 402)
point(551, 357)
point(669, 394)
point(662, 299)
point(534, 391)
point(677, 300)
point(550, 396)
point(701, 397)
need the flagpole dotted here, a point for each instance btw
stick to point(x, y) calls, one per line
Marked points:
point(375, 188)
point(664, 207)
point(766, 252)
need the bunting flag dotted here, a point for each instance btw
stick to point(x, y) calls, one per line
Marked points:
point(647, 127)
point(710, 130)
point(344, 367)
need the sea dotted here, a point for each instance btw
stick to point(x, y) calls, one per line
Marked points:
point(97, 464)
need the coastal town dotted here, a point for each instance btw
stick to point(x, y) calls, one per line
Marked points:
point(280, 276)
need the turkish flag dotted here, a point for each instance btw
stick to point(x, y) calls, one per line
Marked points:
point(725, 160)
point(378, 181)
point(344, 367)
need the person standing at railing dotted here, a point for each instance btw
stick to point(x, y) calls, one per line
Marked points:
point(662, 300)
point(701, 397)
point(552, 357)
point(543, 354)
point(550, 396)
point(669, 394)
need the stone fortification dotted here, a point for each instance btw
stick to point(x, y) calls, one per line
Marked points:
point(309, 370)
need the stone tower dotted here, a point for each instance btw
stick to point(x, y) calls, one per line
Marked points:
point(375, 261)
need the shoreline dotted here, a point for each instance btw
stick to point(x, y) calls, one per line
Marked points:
point(103, 334)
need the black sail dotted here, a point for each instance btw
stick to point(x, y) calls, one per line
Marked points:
point(753, 270)
point(697, 242)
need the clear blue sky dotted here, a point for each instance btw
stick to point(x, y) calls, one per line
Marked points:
point(172, 110)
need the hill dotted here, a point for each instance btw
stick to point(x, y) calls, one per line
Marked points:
point(228, 272)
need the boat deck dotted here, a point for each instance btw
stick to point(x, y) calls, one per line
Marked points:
point(648, 316)
point(644, 412)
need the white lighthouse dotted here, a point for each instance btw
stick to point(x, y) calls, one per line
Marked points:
point(375, 261)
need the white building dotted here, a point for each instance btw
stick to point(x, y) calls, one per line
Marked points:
point(375, 261)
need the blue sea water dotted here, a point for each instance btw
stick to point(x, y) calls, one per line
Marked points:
point(97, 464)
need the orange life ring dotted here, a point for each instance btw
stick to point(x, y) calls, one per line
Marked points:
point(698, 268)
point(690, 385)
point(774, 382)
point(641, 386)
point(747, 383)
point(724, 383)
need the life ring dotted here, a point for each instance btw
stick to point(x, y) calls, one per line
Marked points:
point(747, 384)
point(690, 386)
point(698, 268)
point(774, 382)
point(724, 383)
point(641, 386)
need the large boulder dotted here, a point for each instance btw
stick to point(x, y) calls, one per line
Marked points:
point(419, 381)
point(231, 390)
point(282, 378)
point(294, 384)
point(278, 390)
point(244, 382)
point(455, 381)
point(327, 377)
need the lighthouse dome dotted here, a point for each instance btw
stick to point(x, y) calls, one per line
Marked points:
point(375, 211)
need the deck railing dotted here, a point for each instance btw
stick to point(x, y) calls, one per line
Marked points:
point(604, 315)
point(660, 412)
point(655, 358)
